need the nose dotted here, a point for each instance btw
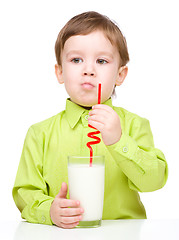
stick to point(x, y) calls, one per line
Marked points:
point(89, 70)
point(88, 73)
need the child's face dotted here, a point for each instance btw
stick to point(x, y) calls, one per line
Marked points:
point(86, 61)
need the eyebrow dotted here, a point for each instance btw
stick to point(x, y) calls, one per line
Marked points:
point(73, 52)
point(104, 53)
point(100, 53)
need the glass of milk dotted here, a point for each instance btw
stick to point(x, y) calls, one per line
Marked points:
point(86, 184)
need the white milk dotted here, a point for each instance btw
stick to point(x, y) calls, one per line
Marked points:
point(86, 184)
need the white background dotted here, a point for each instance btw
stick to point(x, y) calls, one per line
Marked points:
point(29, 91)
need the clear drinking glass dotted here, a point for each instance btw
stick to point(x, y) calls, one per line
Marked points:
point(86, 184)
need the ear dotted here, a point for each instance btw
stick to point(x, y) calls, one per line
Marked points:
point(58, 73)
point(121, 75)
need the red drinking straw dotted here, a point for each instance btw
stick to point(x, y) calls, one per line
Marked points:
point(99, 93)
point(91, 134)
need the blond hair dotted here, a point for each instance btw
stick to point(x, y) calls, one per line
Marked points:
point(86, 23)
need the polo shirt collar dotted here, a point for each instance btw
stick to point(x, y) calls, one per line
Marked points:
point(74, 111)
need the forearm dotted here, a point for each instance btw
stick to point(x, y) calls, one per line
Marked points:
point(34, 205)
point(30, 190)
point(145, 167)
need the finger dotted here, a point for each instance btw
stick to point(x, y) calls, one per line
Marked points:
point(98, 118)
point(98, 125)
point(71, 211)
point(68, 226)
point(102, 106)
point(63, 191)
point(64, 203)
point(100, 115)
point(107, 112)
point(70, 220)
point(98, 112)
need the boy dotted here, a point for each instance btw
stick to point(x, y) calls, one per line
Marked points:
point(89, 49)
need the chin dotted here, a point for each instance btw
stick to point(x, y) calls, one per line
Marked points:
point(84, 101)
point(84, 104)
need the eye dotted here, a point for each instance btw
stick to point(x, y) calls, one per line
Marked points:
point(76, 60)
point(101, 61)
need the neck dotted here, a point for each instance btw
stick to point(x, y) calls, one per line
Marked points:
point(87, 108)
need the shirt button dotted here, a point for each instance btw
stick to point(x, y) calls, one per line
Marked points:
point(43, 219)
point(125, 149)
point(86, 117)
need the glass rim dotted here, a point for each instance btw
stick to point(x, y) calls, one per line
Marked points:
point(86, 159)
point(79, 156)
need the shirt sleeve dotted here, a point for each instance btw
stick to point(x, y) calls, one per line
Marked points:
point(143, 164)
point(30, 191)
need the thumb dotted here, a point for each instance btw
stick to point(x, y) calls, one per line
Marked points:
point(63, 191)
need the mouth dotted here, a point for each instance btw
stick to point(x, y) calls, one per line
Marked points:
point(87, 86)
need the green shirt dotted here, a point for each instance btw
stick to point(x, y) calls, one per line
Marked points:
point(132, 164)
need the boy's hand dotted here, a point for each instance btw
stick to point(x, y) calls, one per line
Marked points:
point(65, 213)
point(107, 121)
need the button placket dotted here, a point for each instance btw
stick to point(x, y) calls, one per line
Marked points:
point(86, 117)
point(125, 149)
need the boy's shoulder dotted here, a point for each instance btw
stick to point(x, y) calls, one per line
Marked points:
point(128, 115)
point(47, 124)
point(124, 112)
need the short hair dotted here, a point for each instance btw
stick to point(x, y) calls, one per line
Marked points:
point(89, 22)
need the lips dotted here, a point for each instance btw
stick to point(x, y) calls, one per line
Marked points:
point(87, 85)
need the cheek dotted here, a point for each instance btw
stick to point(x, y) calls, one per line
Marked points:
point(66, 73)
point(70, 72)
point(109, 80)
point(110, 77)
